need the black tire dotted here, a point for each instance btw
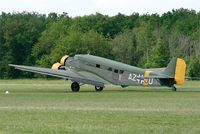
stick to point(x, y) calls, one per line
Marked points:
point(98, 89)
point(174, 88)
point(75, 87)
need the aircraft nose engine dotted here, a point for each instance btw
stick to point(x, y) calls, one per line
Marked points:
point(63, 59)
point(57, 66)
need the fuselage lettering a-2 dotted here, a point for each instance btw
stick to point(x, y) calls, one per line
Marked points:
point(136, 78)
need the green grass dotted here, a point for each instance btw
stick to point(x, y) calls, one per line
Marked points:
point(49, 106)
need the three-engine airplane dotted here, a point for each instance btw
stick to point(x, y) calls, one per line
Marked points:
point(98, 71)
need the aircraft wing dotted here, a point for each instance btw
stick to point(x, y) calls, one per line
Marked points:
point(73, 75)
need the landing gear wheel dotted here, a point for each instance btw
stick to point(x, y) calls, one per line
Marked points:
point(174, 88)
point(98, 89)
point(75, 87)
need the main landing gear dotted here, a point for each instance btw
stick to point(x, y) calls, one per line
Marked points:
point(98, 89)
point(75, 87)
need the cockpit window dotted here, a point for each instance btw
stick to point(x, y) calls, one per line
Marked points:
point(70, 59)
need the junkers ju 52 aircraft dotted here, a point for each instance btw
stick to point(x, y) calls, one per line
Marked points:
point(98, 71)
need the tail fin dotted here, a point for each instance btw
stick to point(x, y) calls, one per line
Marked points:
point(176, 68)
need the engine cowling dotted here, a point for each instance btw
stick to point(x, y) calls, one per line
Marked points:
point(63, 59)
point(56, 66)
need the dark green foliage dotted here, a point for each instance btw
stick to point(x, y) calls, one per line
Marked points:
point(19, 33)
point(124, 48)
point(194, 67)
point(48, 41)
point(159, 55)
point(140, 40)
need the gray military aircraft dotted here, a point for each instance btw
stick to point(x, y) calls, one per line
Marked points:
point(98, 71)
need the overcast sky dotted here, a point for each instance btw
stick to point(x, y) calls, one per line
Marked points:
point(106, 7)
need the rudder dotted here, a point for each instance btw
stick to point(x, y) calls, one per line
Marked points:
point(180, 71)
point(176, 69)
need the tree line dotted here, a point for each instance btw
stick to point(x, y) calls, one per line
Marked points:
point(147, 41)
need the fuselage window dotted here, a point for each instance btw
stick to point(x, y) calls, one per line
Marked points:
point(110, 69)
point(121, 71)
point(97, 65)
point(116, 71)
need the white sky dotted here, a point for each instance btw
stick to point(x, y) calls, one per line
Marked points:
point(108, 7)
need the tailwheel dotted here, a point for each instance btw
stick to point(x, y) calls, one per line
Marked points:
point(98, 89)
point(75, 86)
point(174, 88)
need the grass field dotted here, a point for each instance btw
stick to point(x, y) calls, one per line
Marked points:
point(49, 106)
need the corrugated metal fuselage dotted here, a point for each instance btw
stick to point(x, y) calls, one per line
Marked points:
point(114, 72)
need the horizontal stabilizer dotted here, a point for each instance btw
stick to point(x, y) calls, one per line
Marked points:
point(155, 77)
point(192, 78)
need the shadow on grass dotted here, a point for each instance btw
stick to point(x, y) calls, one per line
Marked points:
point(107, 90)
point(139, 90)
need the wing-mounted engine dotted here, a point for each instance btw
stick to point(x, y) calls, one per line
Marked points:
point(61, 65)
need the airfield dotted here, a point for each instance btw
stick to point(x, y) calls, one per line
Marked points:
point(49, 106)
